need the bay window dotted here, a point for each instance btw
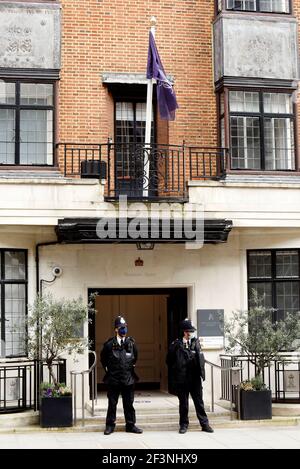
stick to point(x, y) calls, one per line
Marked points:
point(261, 130)
point(263, 6)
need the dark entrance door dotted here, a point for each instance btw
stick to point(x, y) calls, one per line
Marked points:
point(176, 312)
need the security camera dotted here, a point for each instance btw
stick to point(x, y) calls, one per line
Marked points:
point(57, 271)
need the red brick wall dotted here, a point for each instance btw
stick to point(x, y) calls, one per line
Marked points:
point(112, 36)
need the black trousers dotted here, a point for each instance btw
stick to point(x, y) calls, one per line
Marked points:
point(183, 395)
point(127, 393)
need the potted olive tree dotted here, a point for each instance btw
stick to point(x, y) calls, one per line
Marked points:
point(54, 328)
point(253, 333)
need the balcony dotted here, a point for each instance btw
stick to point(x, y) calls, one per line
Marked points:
point(147, 172)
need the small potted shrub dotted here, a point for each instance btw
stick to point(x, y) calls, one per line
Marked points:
point(56, 405)
point(254, 334)
point(255, 400)
point(54, 328)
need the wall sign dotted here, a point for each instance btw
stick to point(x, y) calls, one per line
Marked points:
point(291, 381)
point(13, 389)
point(210, 327)
point(30, 35)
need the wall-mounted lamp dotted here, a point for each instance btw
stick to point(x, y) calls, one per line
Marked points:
point(145, 246)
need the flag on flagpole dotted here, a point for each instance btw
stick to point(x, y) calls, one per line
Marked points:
point(166, 96)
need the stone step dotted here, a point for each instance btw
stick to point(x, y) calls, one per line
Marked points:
point(286, 410)
point(158, 417)
point(163, 426)
point(155, 413)
point(154, 407)
point(19, 419)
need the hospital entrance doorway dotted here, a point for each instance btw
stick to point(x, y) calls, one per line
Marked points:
point(153, 317)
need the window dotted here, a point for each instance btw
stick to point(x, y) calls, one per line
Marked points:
point(274, 275)
point(13, 294)
point(261, 130)
point(247, 5)
point(26, 123)
point(264, 6)
point(131, 122)
point(130, 126)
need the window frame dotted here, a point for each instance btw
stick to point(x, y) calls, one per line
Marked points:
point(256, 11)
point(261, 115)
point(3, 282)
point(273, 280)
point(134, 101)
point(18, 107)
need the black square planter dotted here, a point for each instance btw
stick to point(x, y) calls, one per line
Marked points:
point(255, 405)
point(93, 169)
point(56, 412)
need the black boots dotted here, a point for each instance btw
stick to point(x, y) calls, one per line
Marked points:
point(207, 428)
point(183, 428)
point(108, 430)
point(134, 429)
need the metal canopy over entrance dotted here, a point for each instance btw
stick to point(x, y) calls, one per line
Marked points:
point(84, 230)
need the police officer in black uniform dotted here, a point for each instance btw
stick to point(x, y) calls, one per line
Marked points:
point(186, 371)
point(118, 358)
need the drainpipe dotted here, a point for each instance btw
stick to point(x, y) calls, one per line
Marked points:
point(38, 291)
point(37, 262)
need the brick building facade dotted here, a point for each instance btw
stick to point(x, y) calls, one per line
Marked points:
point(72, 76)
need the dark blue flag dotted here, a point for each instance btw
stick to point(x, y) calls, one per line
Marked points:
point(166, 96)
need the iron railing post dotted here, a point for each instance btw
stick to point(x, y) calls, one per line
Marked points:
point(183, 170)
point(212, 388)
point(109, 144)
point(75, 411)
point(74, 375)
point(230, 391)
point(65, 158)
point(82, 400)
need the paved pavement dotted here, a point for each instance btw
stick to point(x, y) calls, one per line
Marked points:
point(227, 438)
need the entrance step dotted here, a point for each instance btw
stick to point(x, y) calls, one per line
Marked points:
point(286, 410)
point(19, 419)
point(155, 410)
point(278, 410)
point(149, 402)
point(160, 420)
point(96, 424)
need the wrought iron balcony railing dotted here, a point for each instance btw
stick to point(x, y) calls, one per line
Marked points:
point(142, 171)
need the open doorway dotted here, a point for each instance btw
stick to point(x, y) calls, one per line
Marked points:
point(153, 317)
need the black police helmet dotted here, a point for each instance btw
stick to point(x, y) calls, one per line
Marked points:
point(186, 325)
point(120, 322)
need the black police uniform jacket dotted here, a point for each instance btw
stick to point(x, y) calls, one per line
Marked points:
point(186, 366)
point(119, 361)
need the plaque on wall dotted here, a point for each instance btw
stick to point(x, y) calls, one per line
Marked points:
point(210, 328)
point(291, 381)
point(29, 35)
point(12, 389)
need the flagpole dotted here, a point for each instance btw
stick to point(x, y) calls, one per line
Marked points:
point(147, 148)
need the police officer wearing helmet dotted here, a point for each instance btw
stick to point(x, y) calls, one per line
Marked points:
point(186, 371)
point(118, 358)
